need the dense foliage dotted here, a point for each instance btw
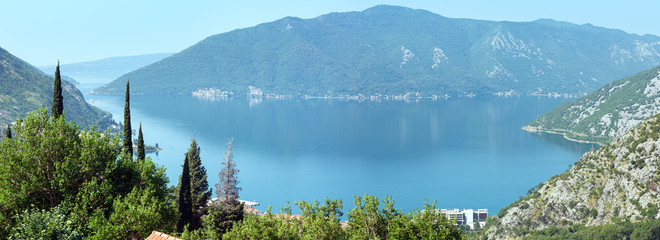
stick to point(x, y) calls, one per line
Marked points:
point(394, 50)
point(366, 221)
point(42, 224)
point(51, 168)
point(24, 89)
point(649, 229)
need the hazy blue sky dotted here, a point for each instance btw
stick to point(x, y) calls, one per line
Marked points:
point(41, 32)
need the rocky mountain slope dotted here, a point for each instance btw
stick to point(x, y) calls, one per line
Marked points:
point(396, 50)
point(619, 180)
point(23, 88)
point(609, 112)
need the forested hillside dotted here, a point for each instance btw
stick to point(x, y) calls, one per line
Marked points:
point(396, 50)
point(23, 88)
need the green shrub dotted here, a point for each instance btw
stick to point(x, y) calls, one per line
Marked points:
point(42, 224)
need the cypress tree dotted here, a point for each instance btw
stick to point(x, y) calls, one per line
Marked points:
point(200, 191)
point(8, 132)
point(185, 199)
point(58, 105)
point(128, 132)
point(140, 145)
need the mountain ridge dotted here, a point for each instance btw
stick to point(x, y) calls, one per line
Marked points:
point(607, 112)
point(24, 88)
point(105, 69)
point(396, 50)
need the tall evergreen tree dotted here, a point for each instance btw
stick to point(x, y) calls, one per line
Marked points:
point(200, 191)
point(185, 199)
point(140, 145)
point(128, 132)
point(227, 189)
point(58, 104)
point(8, 132)
point(228, 210)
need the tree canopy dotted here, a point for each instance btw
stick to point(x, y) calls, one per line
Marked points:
point(52, 163)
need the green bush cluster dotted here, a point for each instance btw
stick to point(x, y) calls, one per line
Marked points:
point(51, 167)
point(649, 229)
point(367, 220)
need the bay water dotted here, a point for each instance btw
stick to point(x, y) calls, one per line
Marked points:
point(460, 152)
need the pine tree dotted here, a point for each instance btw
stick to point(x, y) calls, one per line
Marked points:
point(8, 132)
point(200, 191)
point(185, 199)
point(128, 132)
point(228, 210)
point(140, 145)
point(58, 105)
point(227, 189)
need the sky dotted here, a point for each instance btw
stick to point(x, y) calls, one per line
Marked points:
point(42, 32)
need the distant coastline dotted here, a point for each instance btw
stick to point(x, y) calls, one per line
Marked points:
point(531, 129)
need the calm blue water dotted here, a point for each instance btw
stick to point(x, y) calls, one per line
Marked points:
point(461, 152)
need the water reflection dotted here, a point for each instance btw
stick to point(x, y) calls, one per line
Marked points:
point(559, 140)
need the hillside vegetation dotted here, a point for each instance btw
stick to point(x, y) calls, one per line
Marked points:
point(606, 113)
point(23, 88)
point(619, 181)
point(395, 50)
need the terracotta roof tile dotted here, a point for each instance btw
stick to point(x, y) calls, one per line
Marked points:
point(156, 235)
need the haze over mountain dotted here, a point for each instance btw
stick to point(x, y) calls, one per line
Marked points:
point(608, 112)
point(395, 50)
point(107, 69)
point(23, 88)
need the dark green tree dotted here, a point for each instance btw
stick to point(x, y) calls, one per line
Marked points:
point(226, 214)
point(200, 191)
point(128, 132)
point(140, 145)
point(58, 105)
point(8, 132)
point(185, 199)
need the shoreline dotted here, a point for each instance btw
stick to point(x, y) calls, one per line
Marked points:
point(543, 130)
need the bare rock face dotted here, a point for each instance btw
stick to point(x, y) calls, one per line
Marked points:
point(619, 180)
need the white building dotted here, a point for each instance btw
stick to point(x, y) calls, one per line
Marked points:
point(467, 216)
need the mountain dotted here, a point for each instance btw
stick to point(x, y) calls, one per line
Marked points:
point(23, 88)
point(617, 181)
point(395, 50)
point(606, 113)
point(107, 69)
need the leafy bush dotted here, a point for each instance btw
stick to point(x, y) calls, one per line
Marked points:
point(42, 224)
point(53, 163)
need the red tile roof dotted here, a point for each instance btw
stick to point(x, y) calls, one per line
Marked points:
point(252, 210)
point(156, 235)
